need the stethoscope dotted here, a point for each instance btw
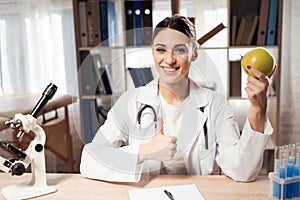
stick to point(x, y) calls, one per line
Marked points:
point(140, 112)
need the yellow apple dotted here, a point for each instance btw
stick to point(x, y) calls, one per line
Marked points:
point(259, 58)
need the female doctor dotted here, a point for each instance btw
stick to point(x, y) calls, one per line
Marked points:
point(174, 126)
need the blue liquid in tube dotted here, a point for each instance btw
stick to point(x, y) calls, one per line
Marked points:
point(284, 155)
point(296, 184)
point(283, 176)
point(277, 165)
point(290, 186)
point(276, 187)
point(297, 172)
point(290, 170)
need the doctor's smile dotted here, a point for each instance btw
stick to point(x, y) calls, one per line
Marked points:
point(170, 69)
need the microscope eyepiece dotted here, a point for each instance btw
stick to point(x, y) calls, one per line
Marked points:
point(50, 90)
point(47, 95)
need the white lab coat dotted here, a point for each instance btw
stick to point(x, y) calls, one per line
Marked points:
point(113, 153)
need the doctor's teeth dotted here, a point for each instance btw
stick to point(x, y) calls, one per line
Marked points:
point(169, 69)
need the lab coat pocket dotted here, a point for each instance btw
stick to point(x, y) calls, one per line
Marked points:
point(207, 159)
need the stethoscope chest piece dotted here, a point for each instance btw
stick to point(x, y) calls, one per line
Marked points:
point(146, 116)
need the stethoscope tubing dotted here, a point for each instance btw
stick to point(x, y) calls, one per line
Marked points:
point(140, 112)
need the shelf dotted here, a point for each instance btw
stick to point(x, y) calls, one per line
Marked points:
point(105, 97)
point(253, 46)
point(119, 47)
point(212, 48)
point(99, 47)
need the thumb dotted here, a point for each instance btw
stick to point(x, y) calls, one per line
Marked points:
point(160, 129)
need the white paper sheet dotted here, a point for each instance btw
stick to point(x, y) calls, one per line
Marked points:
point(179, 192)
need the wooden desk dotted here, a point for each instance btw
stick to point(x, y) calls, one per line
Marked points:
point(74, 186)
point(59, 140)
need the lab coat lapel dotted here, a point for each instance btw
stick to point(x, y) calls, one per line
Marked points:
point(192, 123)
point(149, 94)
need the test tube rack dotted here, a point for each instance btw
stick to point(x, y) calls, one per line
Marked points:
point(293, 183)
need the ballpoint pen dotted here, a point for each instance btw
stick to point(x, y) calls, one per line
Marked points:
point(169, 194)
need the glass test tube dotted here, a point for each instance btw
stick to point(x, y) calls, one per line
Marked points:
point(283, 156)
point(290, 170)
point(276, 187)
point(283, 169)
point(296, 171)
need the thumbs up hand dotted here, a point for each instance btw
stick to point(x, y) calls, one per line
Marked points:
point(161, 147)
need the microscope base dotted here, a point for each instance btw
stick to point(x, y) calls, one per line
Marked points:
point(25, 191)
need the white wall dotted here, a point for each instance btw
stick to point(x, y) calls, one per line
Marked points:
point(290, 79)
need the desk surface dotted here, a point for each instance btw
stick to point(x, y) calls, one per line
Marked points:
point(74, 186)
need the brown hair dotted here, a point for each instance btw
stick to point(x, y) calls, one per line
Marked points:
point(179, 23)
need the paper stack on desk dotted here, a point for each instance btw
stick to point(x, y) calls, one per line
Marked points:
point(179, 192)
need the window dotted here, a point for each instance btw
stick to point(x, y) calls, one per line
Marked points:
point(37, 46)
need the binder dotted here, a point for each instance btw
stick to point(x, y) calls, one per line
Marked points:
point(141, 76)
point(88, 74)
point(138, 22)
point(97, 65)
point(136, 77)
point(233, 29)
point(90, 120)
point(112, 23)
point(147, 74)
point(129, 23)
point(235, 81)
point(246, 32)
point(103, 6)
point(106, 79)
point(93, 23)
point(147, 21)
point(83, 24)
point(252, 30)
point(263, 22)
point(240, 33)
point(86, 118)
point(272, 23)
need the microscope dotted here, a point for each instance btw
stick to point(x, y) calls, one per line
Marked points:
point(34, 154)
